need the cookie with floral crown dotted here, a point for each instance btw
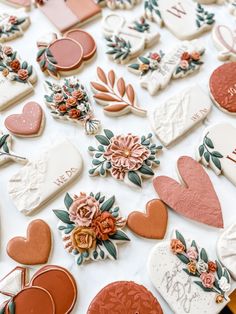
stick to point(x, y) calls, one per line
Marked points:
point(185, 19)
point(91, 227)
point(69, 101)
point(118, 4)
point(129, 158)
point(225, 41)
point(17, 77)
point(187, 278)
point(127, 39)
point(157, 69)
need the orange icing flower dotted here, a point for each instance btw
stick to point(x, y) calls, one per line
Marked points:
point(23, 74)
point(15, 65)
point(143, 67)
point(62, 108)
point(78, 94)
point(83, 239)
point(192, 267)
point(5, 72)
point(177, 246)
point(185, 56)
point(104, 225)
point(195, 56)
point(219, 299)
point(71, 102)
point(74, 113)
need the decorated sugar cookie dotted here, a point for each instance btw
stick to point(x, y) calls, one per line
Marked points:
point(157, 69)
point(127, 158)
point(52, 289)
point(232, 304)
point(13, 24)
point(225, 41)
point(232, 6)
point(65, 56)
point(91, 227)
point(126, 40)
point(179, 114)
point(29, 123)
point(195, 197)
point(153, 223)
point(223, 87)
point(210, 1)
point(69, 13)
point(226, 249)
point(17, 77)
point(35, 248)
point(116, 97)
point(187, 278)
point(118, 4)
point(69, 101)
point(185, 19)
point(26, 4)
point(6, 153)
point(135, 299)
point(40, 180)
point(217, 150)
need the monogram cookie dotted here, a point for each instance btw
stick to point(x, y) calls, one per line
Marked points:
point(225, 41)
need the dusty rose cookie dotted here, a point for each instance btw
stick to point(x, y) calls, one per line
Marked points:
point(118, 4)
point(223, 87)
point(70, 13)
point(65, 55)
point(124, 297)
point(187, 278)
point(28, 124)
point(26, 4)
point(195, 198)
point(91, 227)
point(51, 290)
point(153, 223)
point(113, 93)
point(35, 248)
point(127, 158)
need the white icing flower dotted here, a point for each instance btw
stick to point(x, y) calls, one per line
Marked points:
point(153, 64)
point(223, 284)
point(11, 76)
point(202, 267)
point(56, 88)
point(81, 107)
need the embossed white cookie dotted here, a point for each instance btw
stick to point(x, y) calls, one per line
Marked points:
point(187, 279)
point(157, 69)
point(225, 40)
point(226, 249)
point(177, 115)
point(127, 39)
point(38, 181)
point(217, 150)
point(184, 18)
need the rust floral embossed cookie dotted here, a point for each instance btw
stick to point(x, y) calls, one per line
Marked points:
point(223, 87)
point(35, 248)
point(124, 297)
point(91, 227)
point(52, 290)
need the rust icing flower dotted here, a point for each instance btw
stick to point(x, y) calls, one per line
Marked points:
point(104, 225)
point(185, 56)
point(155, 56)
point(177, 246)
point(62, 108)
point(23, 74)
point(15, 65)
point(12, 19)
point(212, 266)
point(83, 239)
point(74, 113)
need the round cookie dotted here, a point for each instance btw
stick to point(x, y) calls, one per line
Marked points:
point(222, 86)
point(124, 297)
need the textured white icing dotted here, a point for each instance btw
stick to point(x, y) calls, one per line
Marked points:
point(40, 180)
point(179, 114)
point(12, 283)
point(226, 249)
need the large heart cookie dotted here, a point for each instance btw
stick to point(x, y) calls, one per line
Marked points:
point(187, 278)
point(195, 199)
point(27, 124)
point(35, 248)
point(151, 225)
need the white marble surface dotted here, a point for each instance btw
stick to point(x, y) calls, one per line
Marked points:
point(132, 261)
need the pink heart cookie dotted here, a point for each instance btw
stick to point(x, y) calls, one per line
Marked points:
point(196, 198)
point(27, 124)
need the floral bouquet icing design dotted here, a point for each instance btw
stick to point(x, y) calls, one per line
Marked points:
point(127, 157)
point(12, 26)
point(69, 101)
point(91, 227)
point(147, 63)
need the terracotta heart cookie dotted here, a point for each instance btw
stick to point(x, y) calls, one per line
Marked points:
point(35, 248)
point(52, 290)
point(124, 297)
point(151, 225)
point(28, 124)
point(223, 87)
point(196, 198)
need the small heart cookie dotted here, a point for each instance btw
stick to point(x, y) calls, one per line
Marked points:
point(35, 248)
point(27, 124)
point(153, 223)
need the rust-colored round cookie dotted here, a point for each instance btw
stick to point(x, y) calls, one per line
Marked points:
point(153, 223)
point(35, 248)
point(223, 87)
point(124, 297)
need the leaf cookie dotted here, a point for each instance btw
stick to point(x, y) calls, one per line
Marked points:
point(127, 158)
point(91, 227)
point(116, 97)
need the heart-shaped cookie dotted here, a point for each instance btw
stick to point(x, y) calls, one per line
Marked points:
point(153, 223)
point(35, 248)
point(27, 124)
point(196, 198)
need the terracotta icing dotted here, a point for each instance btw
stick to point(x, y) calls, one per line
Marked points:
point(195, 198)
point(225, 41)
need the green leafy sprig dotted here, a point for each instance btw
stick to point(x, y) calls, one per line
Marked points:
point(152, 7)
point(140, 26)
point(119, 48)
point(203, 17)
point(5, 149)
point(47, 61)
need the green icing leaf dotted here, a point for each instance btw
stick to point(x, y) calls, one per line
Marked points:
point(102, 140)
point(207, 156)
point(5, 148)
point(209, 142)
point(40, 52)
point(201, 150)
point(183, 258)
point(109, 134)
point(194, 244)
point(216, 162)
point(11, 307)
point(107, 205)
point(219, 270)
point(203, 255)
point(134, 66)
point(110, 248)
point(180, 238)
point(95, 254)
point(144, 60)
point(226, 275)
point(134, 178)
point(217, 154)
point(201, 286)
point(3, 139)
point(119, 236)
point(146, 170)
point(68, 200)
point(63, 216)
point(80, 259)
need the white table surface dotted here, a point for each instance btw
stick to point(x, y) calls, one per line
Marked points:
point(131, 264)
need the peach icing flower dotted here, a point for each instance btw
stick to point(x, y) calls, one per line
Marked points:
point(155, 56)
point(104, 225)
point(58, 98)
point(195, 55)
point(219, 298)
point(208, 280)
point(23, 74)
point(143, 67)
point(78, 94)
point(71, 102)
point(177, 246)
point(5, 72)
point(12, 19)
point(192, 267)
point(184, 64)
point(7, 50)
point(83, 239)
point(192, 253)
